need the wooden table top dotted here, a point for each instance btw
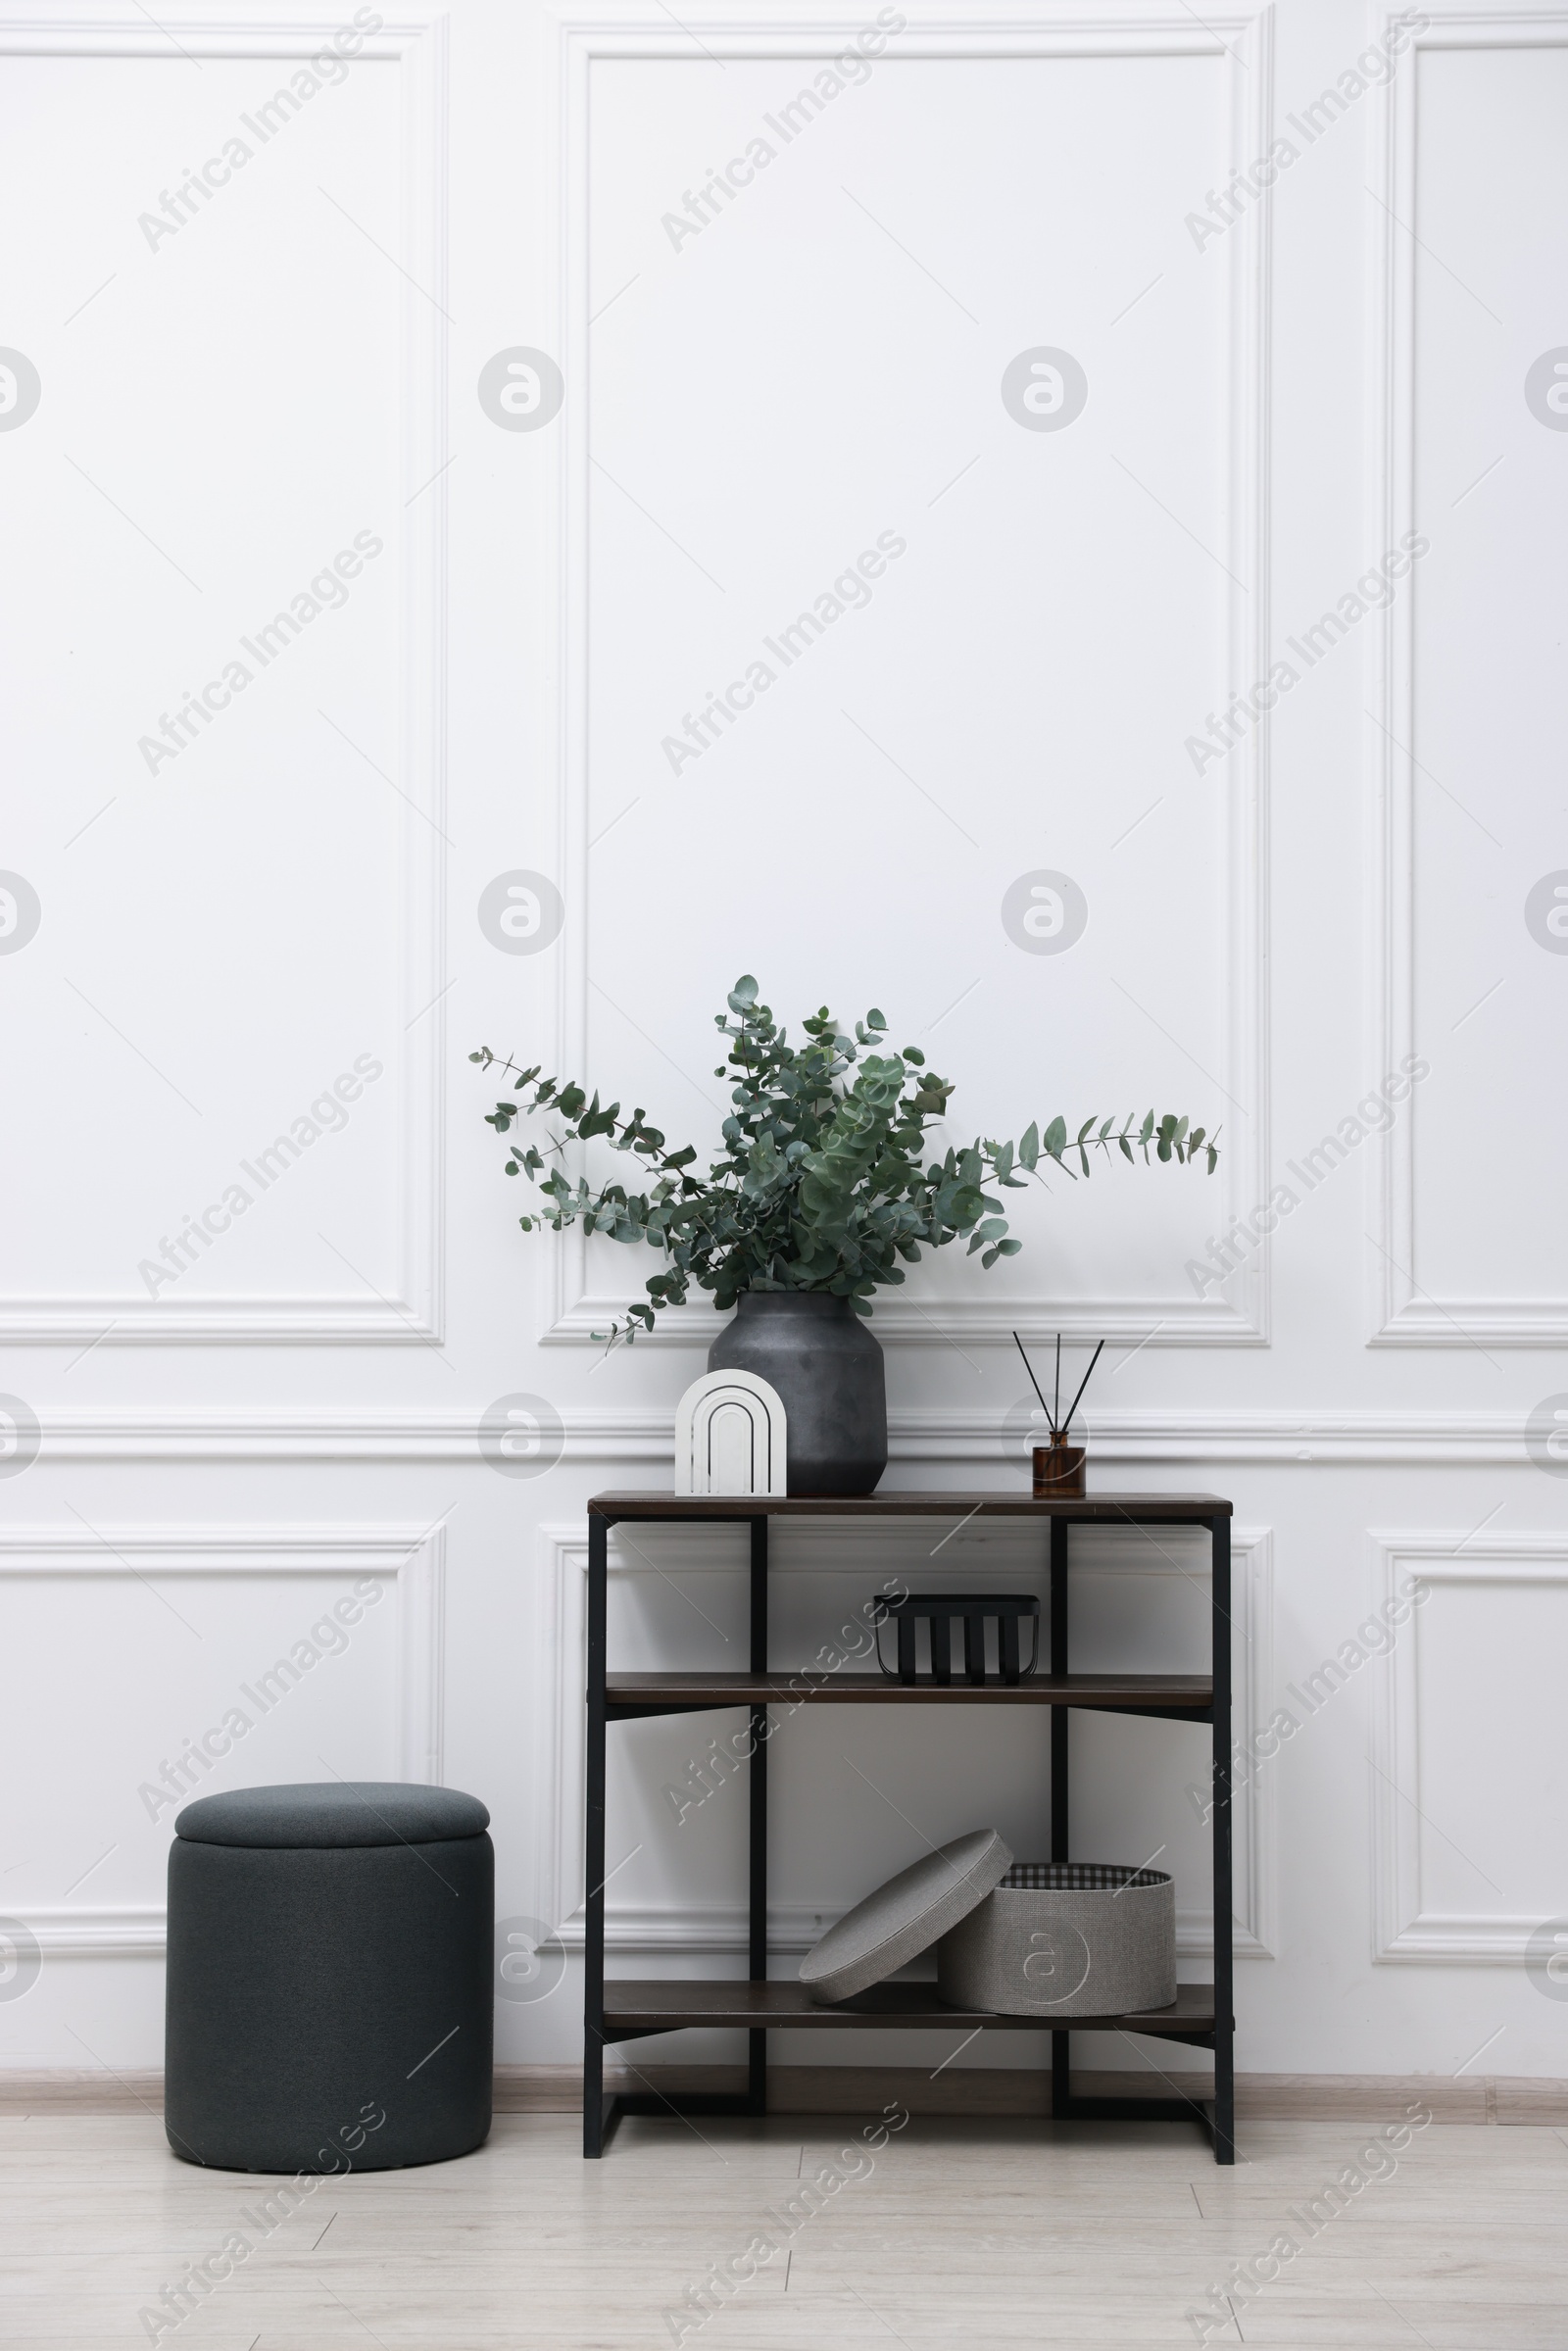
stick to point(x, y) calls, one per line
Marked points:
point(1106, 1508)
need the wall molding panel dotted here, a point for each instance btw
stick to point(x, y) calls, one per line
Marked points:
point(1405, 1930)
point(414, 46)
point(814, 1548)
point(1404, 1312)
point(411, 1558)
point(1244, 40)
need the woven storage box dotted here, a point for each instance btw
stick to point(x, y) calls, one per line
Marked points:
point(1065, 1938)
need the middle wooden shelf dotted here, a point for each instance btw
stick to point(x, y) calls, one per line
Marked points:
point(1188, 1698)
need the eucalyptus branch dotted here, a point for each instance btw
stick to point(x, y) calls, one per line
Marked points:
point(821, 1182)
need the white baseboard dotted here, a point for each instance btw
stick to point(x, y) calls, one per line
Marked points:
point(967, 2090)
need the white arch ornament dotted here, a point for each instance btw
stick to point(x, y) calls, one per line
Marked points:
point(731, 1435)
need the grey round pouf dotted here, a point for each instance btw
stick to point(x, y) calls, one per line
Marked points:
point(330, 2002)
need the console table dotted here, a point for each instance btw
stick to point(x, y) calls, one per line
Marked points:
point(619, 2010)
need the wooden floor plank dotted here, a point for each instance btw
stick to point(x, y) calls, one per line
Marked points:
point(951, 2233)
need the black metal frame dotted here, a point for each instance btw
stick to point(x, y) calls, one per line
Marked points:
point(1216, 2115)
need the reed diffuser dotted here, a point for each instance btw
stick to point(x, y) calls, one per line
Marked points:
point(1058, 1467)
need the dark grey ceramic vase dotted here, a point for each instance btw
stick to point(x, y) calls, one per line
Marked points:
point(827, 1367)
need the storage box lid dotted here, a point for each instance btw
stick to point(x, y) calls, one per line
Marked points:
point(905, 1916)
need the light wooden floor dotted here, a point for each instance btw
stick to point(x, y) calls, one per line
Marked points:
point(967, 2234)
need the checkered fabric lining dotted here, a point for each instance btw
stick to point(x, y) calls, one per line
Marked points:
point(1078, 1875)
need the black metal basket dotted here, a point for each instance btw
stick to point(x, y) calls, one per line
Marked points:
point(941, 1609)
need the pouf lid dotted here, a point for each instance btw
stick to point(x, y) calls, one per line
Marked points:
point(905, 1916)
point(333, 1812)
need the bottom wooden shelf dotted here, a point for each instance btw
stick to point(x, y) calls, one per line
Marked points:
point(670, 2005)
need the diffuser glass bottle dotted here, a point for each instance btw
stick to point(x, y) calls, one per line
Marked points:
point(1058, 1465)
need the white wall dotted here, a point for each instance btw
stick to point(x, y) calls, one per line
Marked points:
point(226, 931)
